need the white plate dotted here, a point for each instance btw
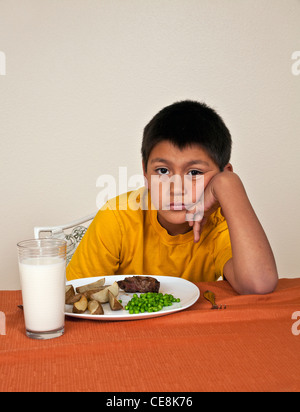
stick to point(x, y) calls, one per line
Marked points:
point(179, 288)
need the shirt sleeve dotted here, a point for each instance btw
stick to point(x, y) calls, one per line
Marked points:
point(98, 253)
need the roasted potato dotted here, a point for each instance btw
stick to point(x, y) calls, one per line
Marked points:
point(113, 302)
point(95, 308)
point(80, 306)
point(102, 295)
point(70, 293)
point(89, 293)
point(74, 299)
point(91, 286)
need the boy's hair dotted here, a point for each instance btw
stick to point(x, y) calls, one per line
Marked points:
point(185, 123)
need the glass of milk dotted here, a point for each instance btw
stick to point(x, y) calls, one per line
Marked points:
point(42, 267)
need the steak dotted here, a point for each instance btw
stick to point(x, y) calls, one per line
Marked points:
point(142, 284)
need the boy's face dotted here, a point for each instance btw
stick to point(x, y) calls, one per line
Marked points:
point(186, 169)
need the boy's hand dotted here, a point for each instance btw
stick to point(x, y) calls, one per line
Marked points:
point(200, 213)
point(252, 268)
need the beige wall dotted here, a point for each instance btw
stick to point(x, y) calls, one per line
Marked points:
point(84, 76)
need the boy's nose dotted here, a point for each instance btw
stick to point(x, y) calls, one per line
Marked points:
point(177, 185)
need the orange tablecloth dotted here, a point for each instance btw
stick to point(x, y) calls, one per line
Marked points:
point(247, 347)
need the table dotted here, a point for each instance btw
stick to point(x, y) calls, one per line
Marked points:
point(253, 345)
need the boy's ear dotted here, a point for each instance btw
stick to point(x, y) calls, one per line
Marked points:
point(229, 167)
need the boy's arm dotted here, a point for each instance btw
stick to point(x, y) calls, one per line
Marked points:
point(252, 269)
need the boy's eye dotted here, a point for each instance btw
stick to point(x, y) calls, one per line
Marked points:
point(162, 171)
point(195, 172)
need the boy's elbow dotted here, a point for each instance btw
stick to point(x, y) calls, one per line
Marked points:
point(265, 289)
point(261, 285)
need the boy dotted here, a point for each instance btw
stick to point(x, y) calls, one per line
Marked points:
point(187, 141)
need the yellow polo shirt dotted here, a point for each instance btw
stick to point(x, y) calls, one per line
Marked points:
point(124, 241)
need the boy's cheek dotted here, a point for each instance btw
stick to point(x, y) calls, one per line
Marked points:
point(160, 193)
point(156, 196)
point(194, 190)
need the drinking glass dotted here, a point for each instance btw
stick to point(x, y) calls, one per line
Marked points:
point(42, 267)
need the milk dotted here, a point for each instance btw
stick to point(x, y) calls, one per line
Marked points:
point(43, 291)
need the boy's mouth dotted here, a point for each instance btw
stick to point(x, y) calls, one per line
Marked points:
point(177, 206)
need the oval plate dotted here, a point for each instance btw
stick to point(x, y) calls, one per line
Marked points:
point(178, 287)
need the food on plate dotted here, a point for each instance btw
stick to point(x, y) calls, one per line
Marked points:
point(142, 284)
point(149, 302)
point(80, 306)
point(102, 295)
point(70, 293)
point(95, 308)
point(91, 286)
point(88, 294)
point(71, 297)
point(113, 302)
point(91, 296)
point(75, 299)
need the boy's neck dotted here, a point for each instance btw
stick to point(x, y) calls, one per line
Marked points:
point(172, 229)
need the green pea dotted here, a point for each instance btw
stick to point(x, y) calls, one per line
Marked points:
point(150, 302)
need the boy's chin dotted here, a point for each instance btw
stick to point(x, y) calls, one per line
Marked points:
point(174, 217)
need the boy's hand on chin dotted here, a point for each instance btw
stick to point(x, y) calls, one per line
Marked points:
point(198, 216)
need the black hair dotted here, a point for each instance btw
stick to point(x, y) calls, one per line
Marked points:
point(185, 123)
